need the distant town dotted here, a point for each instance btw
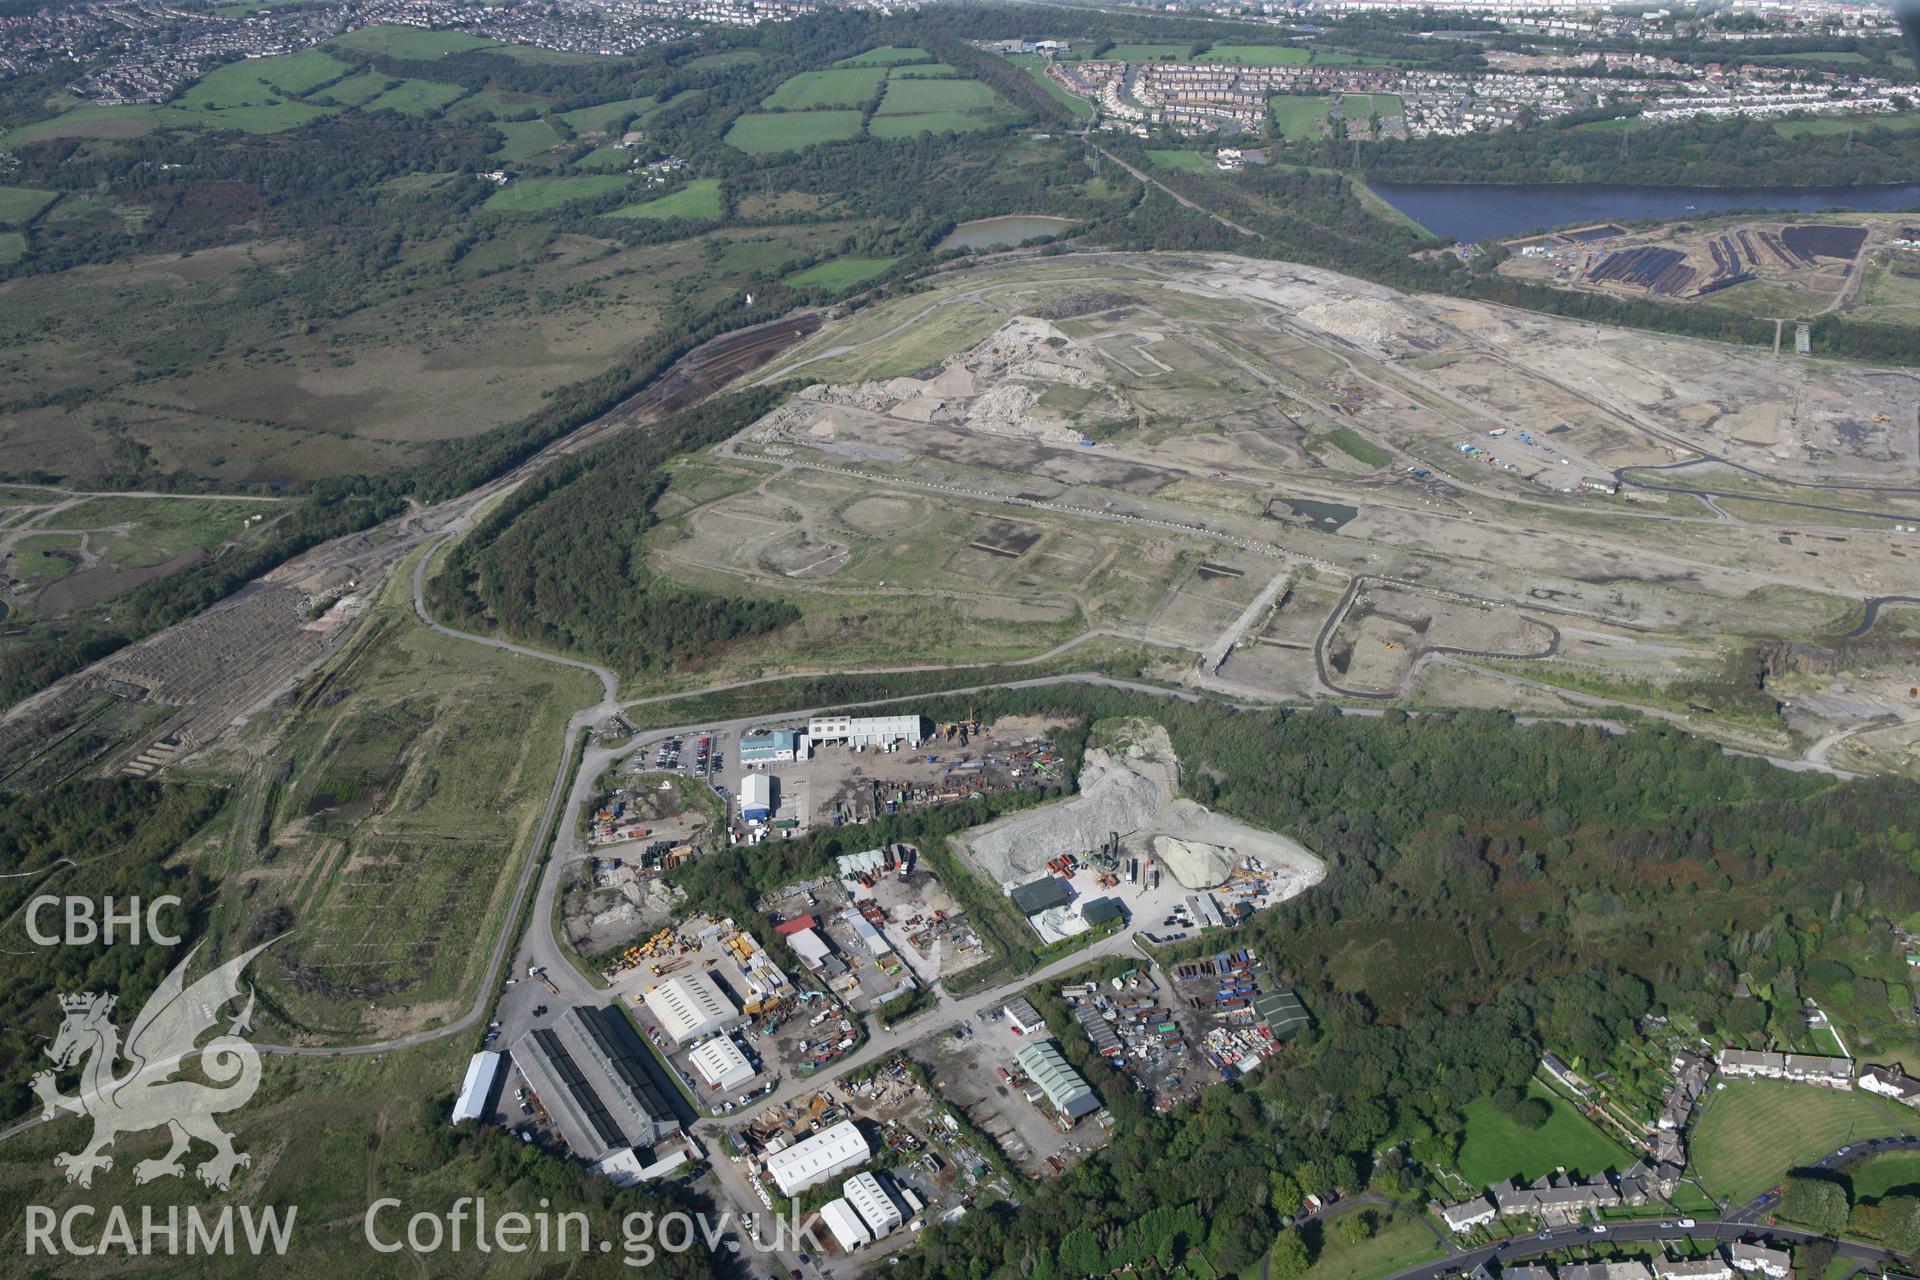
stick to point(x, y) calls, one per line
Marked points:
point(146, 51)
point(1199, 97)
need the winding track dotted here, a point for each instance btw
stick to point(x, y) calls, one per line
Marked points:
point(1873, 612)
point(1359, 583)
point(1622, 477)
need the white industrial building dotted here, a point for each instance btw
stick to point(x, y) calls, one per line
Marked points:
point(756, 797)
point(483, 1073)
point(721, 1064)
point(873, 1203)
point(848, 1231)
point(691, 1005)
point(812, 949)
point(868, 731)
point(813, 1160)
point(866, 1211)
point(1022, 1018)
point(874, 942)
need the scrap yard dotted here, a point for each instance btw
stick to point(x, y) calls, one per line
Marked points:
point(1133, 1022)
point(1246, 1018)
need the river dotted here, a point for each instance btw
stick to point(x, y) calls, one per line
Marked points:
point(1478, 212)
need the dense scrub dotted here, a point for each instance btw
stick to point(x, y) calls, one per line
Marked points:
point(560, 562)
point(121, 838)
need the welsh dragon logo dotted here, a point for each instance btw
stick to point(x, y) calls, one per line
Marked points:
point(146, 1096)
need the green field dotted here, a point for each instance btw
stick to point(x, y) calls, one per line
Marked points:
point(18, 205)
point(726, 60)
point(256, 95)
point(132, 532)
point(416, 97)
point(1496, 1148)
point(1185, 161)
point(607, 159)
point(1358, 447)
point(1754, 1131)
point(841, 273)
point(268, 118)
point(1036, 67)
point(536, 195)
point(698, 199)
point(1258, 55)
point(1833, 55)
point(914, 97)
point(412, 42)
point(536, 54)
point(926, 122)
point(1896, 1173)
point(791, 130)
point(603, 118)
point(525, 139)
point(256, 82)
point(1828, 126)
point(503, 106)
point(846, 87)
point(354, 90)
point(1396, 1244)
point(923, 71)
point(1299, 116)
point(125, 534)
point(1359, 106)
point(885, 56)
point(1619, 124)
point(40, 558)
point(86, 122)
point(12, 245)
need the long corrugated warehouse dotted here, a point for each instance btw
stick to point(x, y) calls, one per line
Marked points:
point(476, 1091)
point(587, 1071)
point(1069, 1095)
point(691, 1005)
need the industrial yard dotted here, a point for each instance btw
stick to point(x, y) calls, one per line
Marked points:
point(881, 925)
point(710, 980)
point(976, 1068)
point(1161, 1045)
point(1768, 268)
point(882, 1124)
point(1113, 841)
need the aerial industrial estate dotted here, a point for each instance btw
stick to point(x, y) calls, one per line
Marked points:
point(801, 640)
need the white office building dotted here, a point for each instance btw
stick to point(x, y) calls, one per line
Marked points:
point(813, 1160)
point(691, 1005)
point(868, 731)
